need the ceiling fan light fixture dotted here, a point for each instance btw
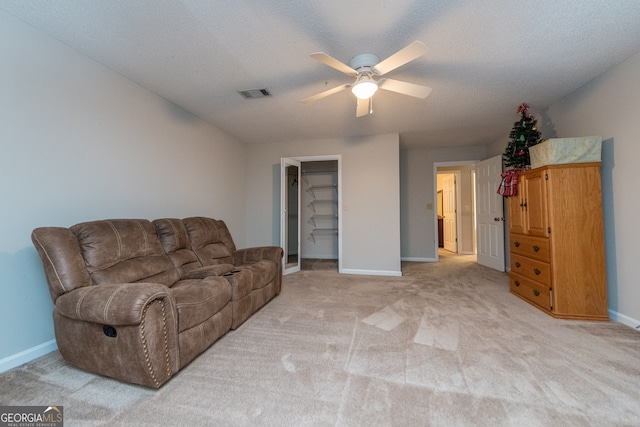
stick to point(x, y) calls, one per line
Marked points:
point(365, 88)
point(368, 73)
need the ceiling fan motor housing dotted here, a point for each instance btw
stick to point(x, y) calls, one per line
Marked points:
point(364, 63)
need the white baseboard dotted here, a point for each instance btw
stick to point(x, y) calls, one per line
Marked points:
point(625, 320)
point(324, 257)
point(27, 355)
point(414, 259)
point(371, 272)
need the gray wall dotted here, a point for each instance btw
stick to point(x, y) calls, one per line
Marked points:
point(79, 142)
point(417, 189)
point(370, 183)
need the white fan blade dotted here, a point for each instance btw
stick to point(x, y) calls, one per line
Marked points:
point(325, 93)
point(364, 107)
point(405, 88)
point(334, 63)
point(413, 51)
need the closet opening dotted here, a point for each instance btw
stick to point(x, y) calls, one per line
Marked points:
point(319, 216)
point(311, 213)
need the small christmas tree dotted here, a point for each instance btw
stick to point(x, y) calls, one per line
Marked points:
point(523, 135)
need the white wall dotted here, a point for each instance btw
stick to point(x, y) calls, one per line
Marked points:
point(609, 106)
point(419, 235)
point(370, 183)
point(79, 142)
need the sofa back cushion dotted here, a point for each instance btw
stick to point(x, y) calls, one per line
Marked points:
point(124, 251)
point(210, 240)
point(175, 241)
point(225, 235)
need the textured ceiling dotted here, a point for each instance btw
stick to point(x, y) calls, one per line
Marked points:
point(485, 58)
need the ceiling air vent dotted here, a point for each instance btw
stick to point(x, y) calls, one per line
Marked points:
point(255, 93)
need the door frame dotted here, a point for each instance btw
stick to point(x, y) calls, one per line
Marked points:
point(437, 165)
point(320, 158)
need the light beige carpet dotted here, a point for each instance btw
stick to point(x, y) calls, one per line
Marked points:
point(444, 345)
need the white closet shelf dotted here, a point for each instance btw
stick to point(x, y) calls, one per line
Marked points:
point(313, 188)
point(323, 232)
point(322, 217)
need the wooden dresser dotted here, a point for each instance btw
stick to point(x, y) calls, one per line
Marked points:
point(557, 241)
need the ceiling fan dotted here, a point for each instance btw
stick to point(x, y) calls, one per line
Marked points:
point(368, 72)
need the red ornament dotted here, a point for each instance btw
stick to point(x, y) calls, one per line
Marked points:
point(521, 153)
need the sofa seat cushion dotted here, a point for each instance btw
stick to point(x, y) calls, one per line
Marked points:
point(197, 300)
point(263, 272)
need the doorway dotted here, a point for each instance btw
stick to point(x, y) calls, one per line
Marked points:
point(479, 207)
point(311, 226)
point(455, 201)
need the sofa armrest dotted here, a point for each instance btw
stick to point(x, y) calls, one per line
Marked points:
point(259, 253)
point(113, 304)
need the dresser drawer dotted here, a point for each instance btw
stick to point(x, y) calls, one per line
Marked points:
point(531, 291)
point(539, 271)
point(531, 246)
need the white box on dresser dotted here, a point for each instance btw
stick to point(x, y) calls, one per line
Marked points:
point(555, 151)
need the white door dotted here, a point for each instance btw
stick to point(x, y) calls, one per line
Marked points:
point(290, 214)
point(449, 212)
point(489, 214)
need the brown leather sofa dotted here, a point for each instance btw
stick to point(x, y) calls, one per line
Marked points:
point(137, 300)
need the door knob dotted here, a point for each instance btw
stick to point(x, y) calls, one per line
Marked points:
point(497, 219)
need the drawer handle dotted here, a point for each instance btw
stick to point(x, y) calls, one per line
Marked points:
point(516, 283)
point(518, 264)
point(535, 270)
point(536, 293)
point(516, 244)
point(536, 248)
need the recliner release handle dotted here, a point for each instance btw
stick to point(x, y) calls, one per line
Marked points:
point(110, 331)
